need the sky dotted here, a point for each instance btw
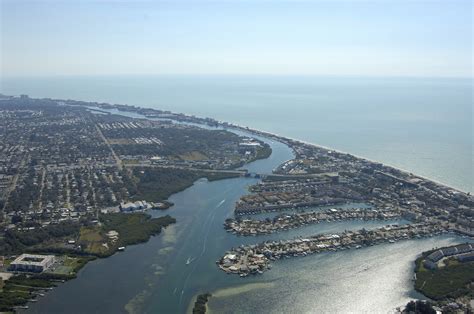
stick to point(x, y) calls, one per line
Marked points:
point(426, 38)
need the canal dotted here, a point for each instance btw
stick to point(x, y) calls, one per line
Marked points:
point(165, 274)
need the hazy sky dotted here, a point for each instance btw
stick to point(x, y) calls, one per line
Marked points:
point(319, 37)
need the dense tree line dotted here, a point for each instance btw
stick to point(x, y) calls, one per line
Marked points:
point(200, 304)
point(419, 307)
point(157, 184)
point(176, 141)
point(19, 289)
point(134, 227)
point(15, 241)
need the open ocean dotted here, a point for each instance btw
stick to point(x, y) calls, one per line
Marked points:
point(423, 125)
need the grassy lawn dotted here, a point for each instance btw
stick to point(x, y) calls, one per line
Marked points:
point(193, 156)
point(72, 262)
point(64, 270)
point(92, 240)
point(98, 248)
point(91, 234)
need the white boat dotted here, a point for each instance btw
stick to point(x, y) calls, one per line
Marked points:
point(189, 261)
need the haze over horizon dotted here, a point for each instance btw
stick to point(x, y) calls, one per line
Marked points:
point(222, 156)
point(367, 38)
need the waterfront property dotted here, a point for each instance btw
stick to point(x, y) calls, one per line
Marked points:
point(131, 207)
point(434, 260)
point(62, 162)
point(255, 258)
point(283, 222)
point(433, 205)
point(32, 263)
point(445, 275)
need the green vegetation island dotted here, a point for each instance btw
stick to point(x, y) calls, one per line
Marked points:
point(200, 304)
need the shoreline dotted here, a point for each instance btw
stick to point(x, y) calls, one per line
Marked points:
point(285, 140)
point(219, 123)
point(291, 143)
point(271, 135)
point(281, 137)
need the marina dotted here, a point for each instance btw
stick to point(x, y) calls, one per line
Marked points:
point(255, 258)
point(253, 227)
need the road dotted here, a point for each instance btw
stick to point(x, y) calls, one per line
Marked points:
point(117, 159)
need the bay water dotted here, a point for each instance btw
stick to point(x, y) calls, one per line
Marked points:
point(422, 125)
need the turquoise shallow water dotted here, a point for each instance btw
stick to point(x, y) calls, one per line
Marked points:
point(421, 125)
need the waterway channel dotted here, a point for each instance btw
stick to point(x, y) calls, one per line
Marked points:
point(165, 274)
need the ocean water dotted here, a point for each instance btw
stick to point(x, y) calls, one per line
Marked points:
point(423, 125)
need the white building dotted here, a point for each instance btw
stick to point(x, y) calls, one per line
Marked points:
point(130, 207)
point(32, 263)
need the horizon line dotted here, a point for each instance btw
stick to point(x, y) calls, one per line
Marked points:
point(2, 77)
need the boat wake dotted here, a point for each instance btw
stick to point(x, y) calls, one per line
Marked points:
point(208, 223)
point(220, 203)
